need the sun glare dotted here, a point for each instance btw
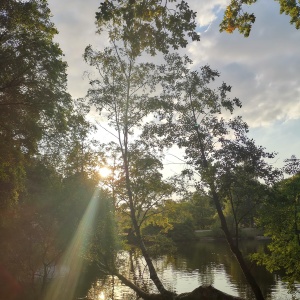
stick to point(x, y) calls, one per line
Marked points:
point(104, 171)
point(101, 296)
point(64, 286)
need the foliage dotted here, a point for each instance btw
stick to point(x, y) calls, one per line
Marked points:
point(280, 219)
point(243, 198)
point(29, 247)
point(184, 231)
point(104, 245)
point(75, 150)
point(149, 189)
point(36, 232)
point(236, 18)
point(202, 210)
point(157, 26)
point(292, 165)
point(197, 119)
point(174, 220)
point(33, 94)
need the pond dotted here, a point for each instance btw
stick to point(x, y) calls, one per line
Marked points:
point(194, 264)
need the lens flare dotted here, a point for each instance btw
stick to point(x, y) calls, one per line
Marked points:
point(63, 286)
point(104, 172)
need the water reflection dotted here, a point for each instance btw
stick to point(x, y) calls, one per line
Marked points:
point(205, 262)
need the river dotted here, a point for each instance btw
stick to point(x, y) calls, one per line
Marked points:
point(193, 264)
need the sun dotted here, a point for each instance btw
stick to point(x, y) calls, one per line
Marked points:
point(104, 171)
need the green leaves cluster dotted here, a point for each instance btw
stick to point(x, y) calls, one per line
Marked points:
point(236, 18)
point(292, 9)
point(280, 218)
point(149, 26)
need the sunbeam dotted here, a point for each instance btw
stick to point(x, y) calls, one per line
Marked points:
point(63, 286)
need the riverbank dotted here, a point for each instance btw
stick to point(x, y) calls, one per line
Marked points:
point(245, 233)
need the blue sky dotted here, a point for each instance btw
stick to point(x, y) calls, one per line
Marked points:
point(263, 69)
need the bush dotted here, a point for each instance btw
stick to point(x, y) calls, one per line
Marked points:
point(182, 231)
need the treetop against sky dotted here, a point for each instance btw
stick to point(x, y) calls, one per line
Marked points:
point(262, 69)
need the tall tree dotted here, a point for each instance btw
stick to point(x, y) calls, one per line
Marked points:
point(32, 88)
point(122, 93)
point(124, 90)
point(194, 117)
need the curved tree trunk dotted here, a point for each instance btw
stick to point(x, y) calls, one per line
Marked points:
point(153, 274)
point(233, 246)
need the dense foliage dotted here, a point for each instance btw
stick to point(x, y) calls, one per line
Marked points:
point(47, 159)
point(33, 98)
point(280, 218)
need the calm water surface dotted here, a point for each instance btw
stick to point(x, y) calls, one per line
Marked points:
point(194, 264)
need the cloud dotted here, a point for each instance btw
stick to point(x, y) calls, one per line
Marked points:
point(75, 21)
point(263, 69)
point(207, 11)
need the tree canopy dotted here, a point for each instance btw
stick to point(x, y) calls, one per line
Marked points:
point(33, 97)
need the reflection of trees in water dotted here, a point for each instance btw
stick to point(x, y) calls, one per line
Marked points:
point(132, 265)
point(138, 270)
point(110, 288)
point(207, 256)
point(195, 263)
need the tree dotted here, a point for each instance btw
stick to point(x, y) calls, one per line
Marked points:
point(235, 17)
point(202, 210)
point(33, 94)
point(75, 150)
point(243, 195)
point(104, 244)
point(34, 105)
point(29, 246)
point(215, 146)
point(124, 90)
point(280, 218)
point(123, 95)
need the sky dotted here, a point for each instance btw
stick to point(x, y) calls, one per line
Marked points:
point(262, 69)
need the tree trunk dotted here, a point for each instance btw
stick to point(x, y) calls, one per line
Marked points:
point(235, 249)
point(153, 274)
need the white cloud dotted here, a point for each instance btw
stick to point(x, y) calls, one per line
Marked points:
point(262, 69)
point(75, 21)
point(207, 11)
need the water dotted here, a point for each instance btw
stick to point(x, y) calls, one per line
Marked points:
point(194, 264)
